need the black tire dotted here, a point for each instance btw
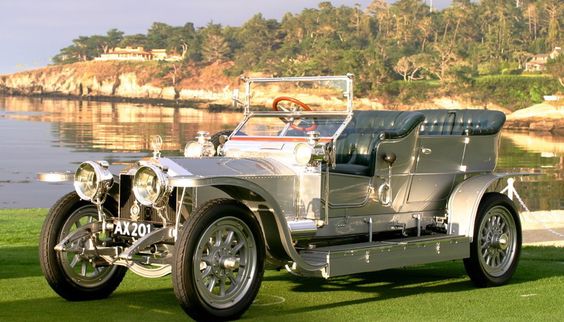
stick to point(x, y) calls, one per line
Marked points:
point(59, 269)
point(215, 137)
point(202, 259)
point(496, 246)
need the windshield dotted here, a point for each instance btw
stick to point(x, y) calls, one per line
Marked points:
point(269, 126)
point(293, 106)
point(321, 94)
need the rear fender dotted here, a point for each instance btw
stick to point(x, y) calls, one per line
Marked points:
point(463, 203)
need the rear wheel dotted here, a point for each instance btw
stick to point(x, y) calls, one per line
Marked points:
point(219, 262)
point(75, 276)
point(495, 250)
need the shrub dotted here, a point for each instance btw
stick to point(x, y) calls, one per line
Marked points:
point(407, 92)
point(513, 92)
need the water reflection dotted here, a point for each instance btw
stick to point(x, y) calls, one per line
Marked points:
point(92, 126)
point(45, 134)
point(538, 153)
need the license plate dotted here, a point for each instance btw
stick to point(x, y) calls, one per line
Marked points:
point(132, 228)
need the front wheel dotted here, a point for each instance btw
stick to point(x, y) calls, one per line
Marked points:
point(219, 262)
point(72, 274)
point(495, 250)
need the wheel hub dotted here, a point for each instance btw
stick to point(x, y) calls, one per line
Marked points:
point(230, 262)
point(501, 241)
point(222, 260)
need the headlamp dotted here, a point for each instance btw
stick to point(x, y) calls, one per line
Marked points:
point(302, 153)
point(92, 180)
point(201, 147)
point(150, 186)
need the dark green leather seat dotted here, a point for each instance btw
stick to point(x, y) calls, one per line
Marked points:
point(355, 147)
point(461, 122)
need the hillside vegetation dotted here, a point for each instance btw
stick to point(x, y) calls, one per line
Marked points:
point(401, 53)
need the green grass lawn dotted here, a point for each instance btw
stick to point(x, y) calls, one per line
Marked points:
point(429, 292)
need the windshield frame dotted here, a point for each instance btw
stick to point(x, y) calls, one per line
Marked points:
point(348, 93)
point(248, 114)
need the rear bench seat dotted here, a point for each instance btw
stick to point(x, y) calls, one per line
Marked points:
point(461, 122)
point(355, 146)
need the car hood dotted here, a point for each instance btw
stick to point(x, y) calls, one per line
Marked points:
point(225, 167)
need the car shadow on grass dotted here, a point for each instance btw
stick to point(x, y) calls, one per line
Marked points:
point(142, 299)
point(147, 305)
point(19, 261)
point(448, 277)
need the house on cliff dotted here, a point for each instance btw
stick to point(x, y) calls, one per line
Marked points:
point(137, 54)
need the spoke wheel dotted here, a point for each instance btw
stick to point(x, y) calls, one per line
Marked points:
point(72, 274)
point(496, 246)
point(80, 268)
point(219, 261)
point(224, 261)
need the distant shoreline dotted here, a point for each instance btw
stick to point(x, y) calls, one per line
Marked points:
point(527, 123)
point(197, 104)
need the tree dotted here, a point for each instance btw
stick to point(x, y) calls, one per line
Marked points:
point(112, 39)
point(521, 57)
point(532, 20)
point(158, 35)
point(375, 72)
point(381, 11)
point(215, 47)
point(407, 16)
point(67, 55)
point(501, 23)
point(137, 40)
point(440, 61)
point(83, 48)
point(258, 38)
point(185, 41)
point(555, 67)
point(408, 67)
point(554, 10)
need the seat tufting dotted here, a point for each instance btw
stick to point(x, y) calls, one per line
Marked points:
point(355, 146)
point(461, 122)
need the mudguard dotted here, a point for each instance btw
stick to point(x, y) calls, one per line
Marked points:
point(280, 222)
point(463, 203)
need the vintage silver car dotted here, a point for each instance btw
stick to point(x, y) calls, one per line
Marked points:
point(316, 188)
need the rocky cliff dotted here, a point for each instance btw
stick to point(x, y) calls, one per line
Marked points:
point(142, 80)
point(145, 81)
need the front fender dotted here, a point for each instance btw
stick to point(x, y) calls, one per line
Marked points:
point(279, 224)
point(463, 203)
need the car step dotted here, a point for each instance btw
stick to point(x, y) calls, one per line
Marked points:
point(375, 256)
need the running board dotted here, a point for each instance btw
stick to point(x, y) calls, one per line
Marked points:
point(375, 256)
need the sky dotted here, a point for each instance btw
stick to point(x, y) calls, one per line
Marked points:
point(33, 31)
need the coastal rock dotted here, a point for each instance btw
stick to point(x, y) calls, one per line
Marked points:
point(544, 117)
point(143, 80)
point(546, 126)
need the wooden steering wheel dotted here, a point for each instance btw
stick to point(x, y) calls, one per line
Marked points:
point(299, 104)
